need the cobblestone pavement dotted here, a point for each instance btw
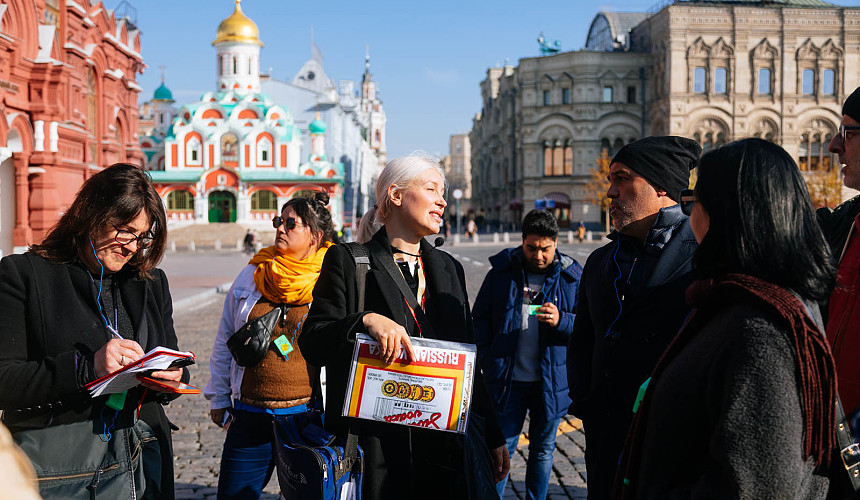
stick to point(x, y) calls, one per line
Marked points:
point(198, 442)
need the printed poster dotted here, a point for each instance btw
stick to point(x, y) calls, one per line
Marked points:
point(433, 391)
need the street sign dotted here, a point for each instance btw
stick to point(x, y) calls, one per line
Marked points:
point(457, 193)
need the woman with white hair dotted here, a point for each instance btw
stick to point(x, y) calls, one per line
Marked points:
point(399, 461)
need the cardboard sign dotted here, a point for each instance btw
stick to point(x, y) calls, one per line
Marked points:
point(433, 391)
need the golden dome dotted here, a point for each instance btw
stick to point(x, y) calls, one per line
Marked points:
point(238, 28)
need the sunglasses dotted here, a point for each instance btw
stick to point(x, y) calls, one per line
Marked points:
point(688, 199)
point(289, 223)
point(846, 128)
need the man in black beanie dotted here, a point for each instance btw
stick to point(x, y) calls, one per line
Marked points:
point(631, 300)
point(840, 228)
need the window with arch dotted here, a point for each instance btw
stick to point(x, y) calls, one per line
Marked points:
point(264, 151)
point(235, 65)
point(699, 80)
point(812, 152)
point(807, 82)
point(304, 193)
point(193, 151)
point(763, 86)
point(180, 199)
point(558, 157)
point(828, 82)
point(264, 201)
point(720, 80)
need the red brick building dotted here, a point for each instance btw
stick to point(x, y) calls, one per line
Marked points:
point(68, 107)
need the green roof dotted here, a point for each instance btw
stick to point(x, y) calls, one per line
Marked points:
point(162, 93)
point(184, 175)
point(317, 127)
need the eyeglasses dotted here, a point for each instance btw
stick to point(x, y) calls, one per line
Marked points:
point(289, 223)
point(127, 237)
point(688, 199)
point(846, 128)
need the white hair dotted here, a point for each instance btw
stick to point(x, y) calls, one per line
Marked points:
point(401, 173)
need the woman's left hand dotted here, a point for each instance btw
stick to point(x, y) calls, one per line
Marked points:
point(173, 374)
point(501, 462)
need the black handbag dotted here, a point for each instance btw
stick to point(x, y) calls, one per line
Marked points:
point(845, 465)
point(250, 343)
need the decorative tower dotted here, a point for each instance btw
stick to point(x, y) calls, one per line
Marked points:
point(162, 108)
point(317, 130)
point(238, 45)
point(372, 112)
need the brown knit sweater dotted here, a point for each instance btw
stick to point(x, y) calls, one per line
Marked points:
point(276, 382)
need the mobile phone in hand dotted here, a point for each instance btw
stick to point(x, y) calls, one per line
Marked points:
point(173, 386)
point(227, 420)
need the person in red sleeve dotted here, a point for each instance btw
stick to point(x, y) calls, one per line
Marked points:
point(840, 228)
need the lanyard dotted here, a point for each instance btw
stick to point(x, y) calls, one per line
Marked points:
point(419, 271)
point(527, 291)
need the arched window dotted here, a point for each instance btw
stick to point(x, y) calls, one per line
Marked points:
point(264, 200)
point(304, 193)
point(193, 151)
point(803, 152)
point(235, 65)
point(264, 151)
point(827, 82)
point(807, 86)
point(180, 199)
point(557, 157)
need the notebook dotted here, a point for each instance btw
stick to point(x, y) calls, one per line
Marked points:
point(159, 358)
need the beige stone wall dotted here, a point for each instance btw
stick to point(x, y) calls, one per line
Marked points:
point(524, 109)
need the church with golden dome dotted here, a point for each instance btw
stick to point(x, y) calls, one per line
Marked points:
point(236, 155)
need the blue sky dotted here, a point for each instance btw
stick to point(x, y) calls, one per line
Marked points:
point(428, 57)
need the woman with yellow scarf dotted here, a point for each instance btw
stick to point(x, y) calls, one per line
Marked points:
point(245, 400)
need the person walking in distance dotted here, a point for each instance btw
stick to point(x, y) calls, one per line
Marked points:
point(631, 300)
point(523, 318)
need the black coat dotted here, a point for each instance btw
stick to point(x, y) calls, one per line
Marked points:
point(50, 329)
point(400, 461)
point(613, 349)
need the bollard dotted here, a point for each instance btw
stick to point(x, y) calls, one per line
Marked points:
point(239, 244)
point(456, 239)
point(475, 238)
point(506, 237)
point(495, 237)
point(588, 236)
point(570, 237)
point(191, 246)
point(217, 244)
point(172, 246)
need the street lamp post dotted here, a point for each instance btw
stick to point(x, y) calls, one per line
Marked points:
point(458, 193)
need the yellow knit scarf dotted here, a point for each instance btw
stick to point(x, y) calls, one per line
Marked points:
point(286, 280)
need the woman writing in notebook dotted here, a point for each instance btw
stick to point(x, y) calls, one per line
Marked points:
point(83, 303)
point(399, 461)
point(281, 383)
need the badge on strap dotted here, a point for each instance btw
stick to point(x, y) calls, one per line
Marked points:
point(284, 346)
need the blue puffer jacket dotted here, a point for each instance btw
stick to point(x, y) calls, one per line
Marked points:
point(497, 316)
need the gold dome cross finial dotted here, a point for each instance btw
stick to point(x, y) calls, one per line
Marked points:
point(238, 28)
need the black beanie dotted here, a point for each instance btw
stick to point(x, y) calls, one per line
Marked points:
point(852, 105)
point(664, 161)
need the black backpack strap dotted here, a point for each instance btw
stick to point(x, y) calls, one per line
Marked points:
point(361, 258)
point(362, 266)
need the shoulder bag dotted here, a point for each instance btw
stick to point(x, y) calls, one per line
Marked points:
point(250, 343)
point(845, 464)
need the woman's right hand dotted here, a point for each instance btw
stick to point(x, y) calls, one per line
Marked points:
point(390, 336)
point(114, 355)
point(217, 416)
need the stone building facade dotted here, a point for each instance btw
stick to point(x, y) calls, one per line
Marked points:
point(68, 86)
point(712, 71)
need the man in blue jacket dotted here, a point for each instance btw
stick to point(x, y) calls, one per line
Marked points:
point(523, 318)
point(631, 303)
